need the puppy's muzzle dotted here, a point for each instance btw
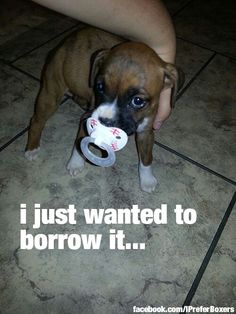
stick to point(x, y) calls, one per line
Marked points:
point(110, 115)
point(107, 122)
point(125, 124)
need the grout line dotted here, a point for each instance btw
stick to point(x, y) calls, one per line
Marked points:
point(209, 254)
point(46, 42)
point(23, 72)
point(181, 9)
point(206, 48)
point(195, 44)
point(14, 138)
point(66, 97)
point(217, 174)
point(183, 90)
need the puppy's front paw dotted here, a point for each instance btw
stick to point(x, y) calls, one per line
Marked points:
point(74, 167)
point(32, 154)
point(148, 185)
point(148, 182)
point(75, 164)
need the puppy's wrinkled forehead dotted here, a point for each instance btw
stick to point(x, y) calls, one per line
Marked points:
point(131, 65)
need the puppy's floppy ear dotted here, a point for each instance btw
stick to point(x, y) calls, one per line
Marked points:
point(173, 78)
point(95, 62)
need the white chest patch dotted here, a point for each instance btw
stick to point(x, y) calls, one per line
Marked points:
point(142, 125)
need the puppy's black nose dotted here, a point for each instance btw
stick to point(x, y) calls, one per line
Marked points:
point(106, 121)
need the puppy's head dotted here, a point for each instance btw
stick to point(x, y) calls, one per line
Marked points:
point(127, 81)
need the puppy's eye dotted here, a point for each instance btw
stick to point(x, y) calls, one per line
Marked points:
point(100, 87)
point(138, 102)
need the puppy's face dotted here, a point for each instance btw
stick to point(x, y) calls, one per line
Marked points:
point(127, 82)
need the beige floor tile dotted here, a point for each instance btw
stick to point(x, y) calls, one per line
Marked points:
point(202, 125)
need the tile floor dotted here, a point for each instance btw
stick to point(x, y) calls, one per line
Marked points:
point(194, 160)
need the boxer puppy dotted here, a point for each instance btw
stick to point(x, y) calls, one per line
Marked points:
point(119, 80)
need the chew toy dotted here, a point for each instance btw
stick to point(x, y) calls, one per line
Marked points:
point(110, 139)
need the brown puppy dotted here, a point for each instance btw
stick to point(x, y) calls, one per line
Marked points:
point(121, 81)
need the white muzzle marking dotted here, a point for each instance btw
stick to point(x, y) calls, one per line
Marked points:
point(106, 110)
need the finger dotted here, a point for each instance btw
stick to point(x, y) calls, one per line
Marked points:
point(164, 109)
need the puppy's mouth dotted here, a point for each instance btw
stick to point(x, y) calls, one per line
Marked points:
point(107, 122)
point(127, 125)
point(109, 115)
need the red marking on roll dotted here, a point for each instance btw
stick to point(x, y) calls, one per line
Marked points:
point(115, 131)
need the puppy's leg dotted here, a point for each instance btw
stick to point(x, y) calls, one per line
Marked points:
point(47, 103)
point(145, 141)
point(76, 161)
